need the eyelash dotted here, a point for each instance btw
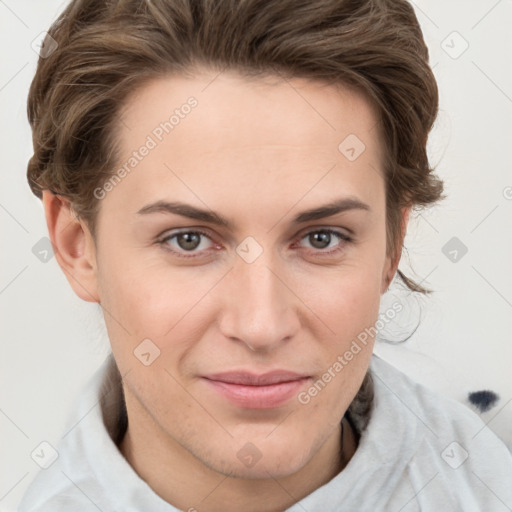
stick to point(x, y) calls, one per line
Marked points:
point(345, 238)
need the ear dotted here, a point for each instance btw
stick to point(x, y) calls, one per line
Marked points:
point(73, 246)
point(392, 265)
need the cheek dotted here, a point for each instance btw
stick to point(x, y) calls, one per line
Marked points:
point(350, 308)
point(347, 299)
point(144, 301)
point(137, 289)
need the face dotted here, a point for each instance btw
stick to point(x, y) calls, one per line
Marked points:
point(265, 289)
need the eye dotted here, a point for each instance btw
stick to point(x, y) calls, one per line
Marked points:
point(185, 242)
point(191, 242)
point(321, 239)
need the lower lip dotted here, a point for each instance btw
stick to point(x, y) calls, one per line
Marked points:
point(257, 397)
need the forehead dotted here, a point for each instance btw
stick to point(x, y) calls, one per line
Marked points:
point(252, 110)
point(226, 137)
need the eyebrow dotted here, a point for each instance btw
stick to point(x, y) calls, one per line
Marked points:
point(192, 212)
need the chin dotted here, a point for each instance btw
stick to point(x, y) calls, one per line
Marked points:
point(259, 459)
point(274, 466)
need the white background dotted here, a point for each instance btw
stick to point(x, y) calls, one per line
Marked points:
point(52, 341)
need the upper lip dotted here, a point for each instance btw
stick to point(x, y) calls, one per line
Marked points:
point(251, 379)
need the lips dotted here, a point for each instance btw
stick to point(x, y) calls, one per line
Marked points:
point(251, 391)
point(251, 379)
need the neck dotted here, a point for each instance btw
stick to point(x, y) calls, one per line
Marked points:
point(184, 481)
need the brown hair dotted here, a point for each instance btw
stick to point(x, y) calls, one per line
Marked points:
point(109, 48)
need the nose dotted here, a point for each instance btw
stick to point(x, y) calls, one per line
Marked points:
point(260, 309)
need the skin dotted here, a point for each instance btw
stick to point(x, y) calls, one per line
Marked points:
point(257, 153)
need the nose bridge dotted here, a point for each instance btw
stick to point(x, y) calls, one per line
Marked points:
point(258, 284)
point(261, 308)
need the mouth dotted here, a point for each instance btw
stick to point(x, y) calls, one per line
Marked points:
point(251, 391)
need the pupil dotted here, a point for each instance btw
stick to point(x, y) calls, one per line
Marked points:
point(322, 236)
point(191, 240)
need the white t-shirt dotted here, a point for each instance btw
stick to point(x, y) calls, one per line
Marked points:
point(420, 452)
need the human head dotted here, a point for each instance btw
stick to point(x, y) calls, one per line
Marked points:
point(116, 61)
point(375, 45)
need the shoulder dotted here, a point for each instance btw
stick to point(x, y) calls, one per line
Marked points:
point(71, 481)
point(61, 503)
point(457, 461)
point(56, 492)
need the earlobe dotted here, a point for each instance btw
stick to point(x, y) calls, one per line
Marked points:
point(73, 246)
